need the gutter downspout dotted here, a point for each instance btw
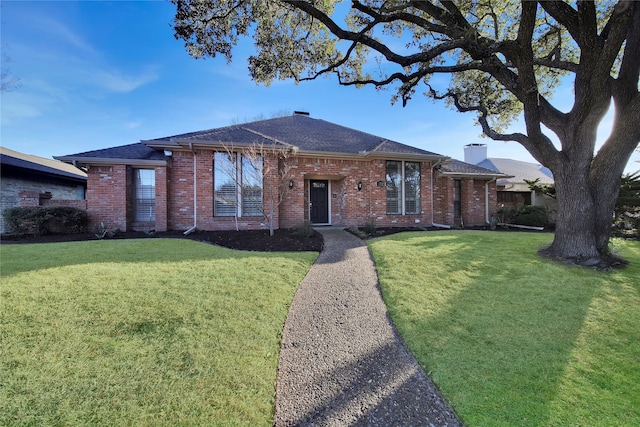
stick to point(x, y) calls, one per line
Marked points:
point(433, 223)
point(486, 200)
point(195, 194)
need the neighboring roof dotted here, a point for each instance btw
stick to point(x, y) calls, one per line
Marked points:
point(518, 170)
point(40, 165)
point(137, 153)
point(456, 167)
point(297, 131)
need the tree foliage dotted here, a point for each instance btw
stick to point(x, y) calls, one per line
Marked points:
point(538, 187)
point(504, 59)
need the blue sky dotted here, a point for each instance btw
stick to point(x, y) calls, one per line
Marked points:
point(101, 74)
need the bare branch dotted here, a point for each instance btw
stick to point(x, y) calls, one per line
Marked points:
point(253, 170)
point(482, 117)
point(556, 64)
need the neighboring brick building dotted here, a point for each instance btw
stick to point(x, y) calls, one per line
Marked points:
point(32, 181)
point(311, 169)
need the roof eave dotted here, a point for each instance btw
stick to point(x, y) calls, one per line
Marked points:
point(195, 144)
point(473, 175)
point(89, 161)
point(408, 156)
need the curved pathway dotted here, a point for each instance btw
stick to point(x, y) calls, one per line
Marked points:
point(342, 362)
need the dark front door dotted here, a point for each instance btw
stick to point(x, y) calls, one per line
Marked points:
point(319, 201)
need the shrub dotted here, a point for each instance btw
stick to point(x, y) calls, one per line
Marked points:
point(535, 216)
point(41, 220)
point(369, 227)
point(101, 232)
point(304, 229)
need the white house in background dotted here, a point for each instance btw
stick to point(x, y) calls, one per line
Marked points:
point(513, 191)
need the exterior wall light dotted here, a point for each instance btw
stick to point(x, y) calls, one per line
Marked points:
point(360, 186)
point(168, 153)
point(290, 183)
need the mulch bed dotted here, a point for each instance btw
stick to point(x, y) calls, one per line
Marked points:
point(248, 240)
point(252, 240)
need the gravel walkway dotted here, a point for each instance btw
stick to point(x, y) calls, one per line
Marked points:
point(342, 362)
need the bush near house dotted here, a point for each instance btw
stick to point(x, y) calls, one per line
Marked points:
point(626, 220)
point(40, 220)
point(535, 216)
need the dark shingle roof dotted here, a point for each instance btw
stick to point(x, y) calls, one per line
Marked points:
point(458, 167)
point(303, 132)
point(133, 152)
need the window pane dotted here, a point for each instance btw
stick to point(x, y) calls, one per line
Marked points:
point(144, 188)
point(225, 195)
point(394, 182)
point(252, 186)
point(412, 188)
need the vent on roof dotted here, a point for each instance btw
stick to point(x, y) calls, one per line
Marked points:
point(301, 113)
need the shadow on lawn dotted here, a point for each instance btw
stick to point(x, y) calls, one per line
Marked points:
point(510, 346)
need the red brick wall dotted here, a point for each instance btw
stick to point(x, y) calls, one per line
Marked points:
point(161, 198)
point(107, 196)
point(34, 198)
point(443, 200)
point(350, 206)
point(180, 213)
point(472, 201)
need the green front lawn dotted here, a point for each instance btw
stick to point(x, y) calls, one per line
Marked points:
point(514, 339)
point(142, 332)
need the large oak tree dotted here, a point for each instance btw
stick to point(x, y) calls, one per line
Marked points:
point(504, 59)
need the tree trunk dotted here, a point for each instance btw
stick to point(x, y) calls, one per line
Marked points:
point(271, 210)
point(605, 190)
point(575, 236)
point(586, 192)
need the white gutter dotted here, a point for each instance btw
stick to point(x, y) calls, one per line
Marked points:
point(486, 200)
point(432, 186)
point(195, 194)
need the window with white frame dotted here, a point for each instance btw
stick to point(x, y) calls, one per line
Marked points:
point(144, 194)
point(403, 187)
point(237, 185)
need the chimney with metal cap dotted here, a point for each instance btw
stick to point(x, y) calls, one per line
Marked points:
point(475, 153)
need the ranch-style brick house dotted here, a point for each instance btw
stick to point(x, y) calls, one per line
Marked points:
point(334, 176)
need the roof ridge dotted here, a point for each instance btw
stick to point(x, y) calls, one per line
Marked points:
point(276, 140)
point(379, 146)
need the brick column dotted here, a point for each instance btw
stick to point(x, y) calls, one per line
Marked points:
point(161, 198)
point(107, 196)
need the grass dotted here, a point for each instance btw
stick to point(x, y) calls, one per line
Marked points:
point(142, 332)
point(514, 339)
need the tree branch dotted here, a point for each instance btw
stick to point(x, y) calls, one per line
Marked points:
point(482, 118)
point(556, 64)
point(626, 84)
point(565, 15)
